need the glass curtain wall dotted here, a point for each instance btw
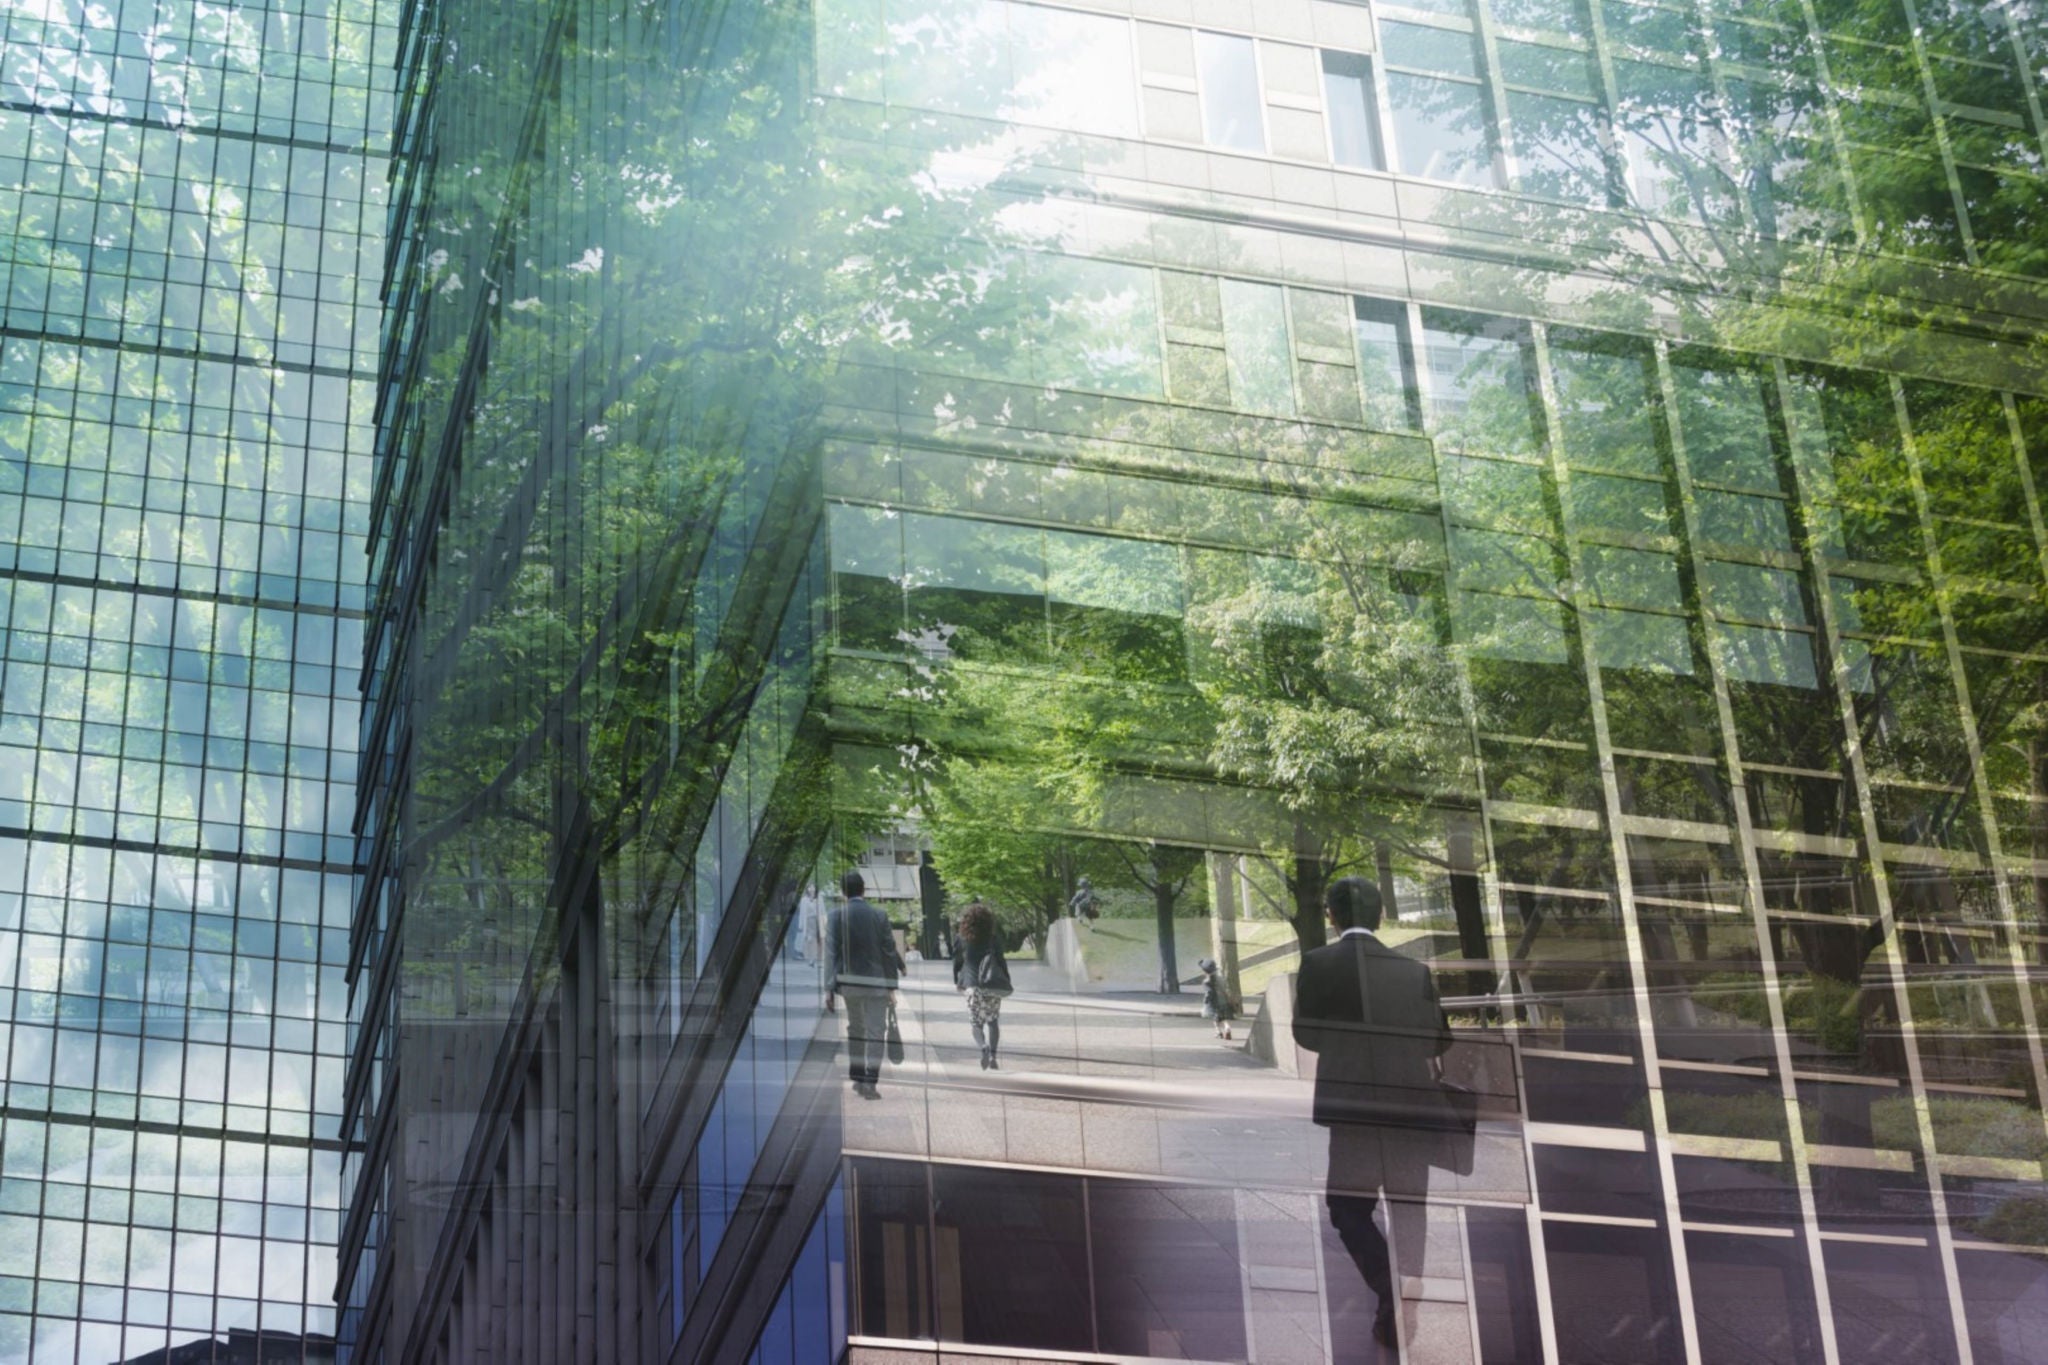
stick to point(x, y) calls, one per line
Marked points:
point(193, 208)
point(1665, 661)
point(1501, 461)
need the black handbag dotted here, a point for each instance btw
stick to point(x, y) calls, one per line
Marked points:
point(895, 1035)
point(992, 974)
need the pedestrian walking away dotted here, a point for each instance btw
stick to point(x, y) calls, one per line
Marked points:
point(862, 966)
point(980, 970)
point(1217, 1002)
point(1373, 1020)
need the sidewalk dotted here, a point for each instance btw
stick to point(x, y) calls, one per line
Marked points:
point(1130, 1085)
point(1128, 1034)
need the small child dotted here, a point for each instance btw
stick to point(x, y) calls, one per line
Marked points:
point(1216, 1002)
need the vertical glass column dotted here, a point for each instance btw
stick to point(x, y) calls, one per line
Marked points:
point(191, 197)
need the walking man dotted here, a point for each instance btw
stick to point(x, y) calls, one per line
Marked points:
point(1373, 1020)
point(861, 965)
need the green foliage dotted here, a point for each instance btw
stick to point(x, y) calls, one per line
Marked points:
point(1828, 1011)
point(638, 259)
point(1821, 1008)
point(2021, 1221)
point(1333, 690)
point(1740, 1116)
point(1972, 1127)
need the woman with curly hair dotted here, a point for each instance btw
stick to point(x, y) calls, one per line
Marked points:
point(980, 970)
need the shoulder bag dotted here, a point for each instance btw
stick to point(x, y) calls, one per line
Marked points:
point(894, 1045)
point(992, 974)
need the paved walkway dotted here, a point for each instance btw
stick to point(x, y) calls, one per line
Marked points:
point(1130, 1084)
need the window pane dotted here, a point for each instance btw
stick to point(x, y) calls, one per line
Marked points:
point(1889, 1301)
point(1558, 16)
point(1166, 1271)
point(1011, 1258)
point(1557, 146)
point(1255, 335)
point(1605, 400)
point(973, 37)
point(1230, 92)
point(1674, 164)
point(1071, 71)
point(1724, 415)
point(977, 588)
point(1440, 129)
point(1753, 1298)
point(1430, 49)
point(1611, 1294)
point(1102, 331)
point(1561, 70)
point(1480, 394)
point(1354, 119)
point(1386, 365)
point(992, 59)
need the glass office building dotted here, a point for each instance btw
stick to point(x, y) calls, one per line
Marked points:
point(191, 207)
point(1572, 464)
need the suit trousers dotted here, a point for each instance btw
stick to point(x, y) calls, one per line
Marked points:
point(1371, 1166)
point(867, 1031)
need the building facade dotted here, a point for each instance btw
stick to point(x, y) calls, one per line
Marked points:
point(192, 207)
point(1574, 465)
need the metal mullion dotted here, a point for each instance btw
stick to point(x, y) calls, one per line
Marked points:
point(1265, 110)
point(1506, 171)
point(1745, 831)
point(1941, 140)
point(1831, 111)
point(1382, 107)
point(1717, 81)
point(1458, 1212)
point(2027, 487)
point(1859, 773)
point(1489, 878)
point(1624, 882)
point(1973, 741)
point(2016, 52)
point(1539, 1259)
point(1602, 53)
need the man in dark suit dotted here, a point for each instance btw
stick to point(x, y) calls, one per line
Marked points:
point(1373, 1020)
point(861, 965)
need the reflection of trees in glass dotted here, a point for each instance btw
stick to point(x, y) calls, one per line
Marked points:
point(1767, 144)
point(987, 59)
point(1441, 124)
point(1333, 688)
point(599, 554)
point(662, 406)
point(1001, 832)
point(1031, 770)
point(1481, 384)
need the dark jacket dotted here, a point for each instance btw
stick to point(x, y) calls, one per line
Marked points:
point(860, 948)
point(969, 973)
point(1377, 1067)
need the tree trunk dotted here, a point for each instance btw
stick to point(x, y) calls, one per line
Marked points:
point(1466, 902)
point(1224, 896)
point(1163, 897)
point(1311, 877)
point(1383, 868)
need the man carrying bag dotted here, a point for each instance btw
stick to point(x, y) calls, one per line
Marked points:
point(861, 965)
point(1374, 1022)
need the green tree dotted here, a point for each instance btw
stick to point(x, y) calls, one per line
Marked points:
point(1334, 690)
